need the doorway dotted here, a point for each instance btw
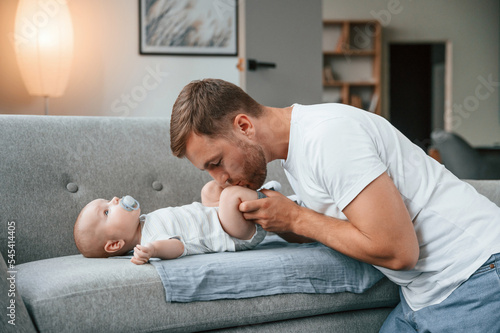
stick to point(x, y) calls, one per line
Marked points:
point(417, 89)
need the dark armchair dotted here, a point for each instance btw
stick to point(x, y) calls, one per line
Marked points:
point(461, 158)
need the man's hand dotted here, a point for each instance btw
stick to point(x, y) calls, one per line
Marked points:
point(275, 213)
point(142, 254)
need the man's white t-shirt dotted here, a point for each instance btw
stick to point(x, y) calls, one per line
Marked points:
point(336, 150)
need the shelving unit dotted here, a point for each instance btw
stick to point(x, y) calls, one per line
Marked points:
point(352, 63)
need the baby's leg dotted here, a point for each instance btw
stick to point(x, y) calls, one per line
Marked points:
point(210, 194)
point(230, 217)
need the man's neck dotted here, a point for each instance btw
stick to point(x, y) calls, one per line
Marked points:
point(274, 132)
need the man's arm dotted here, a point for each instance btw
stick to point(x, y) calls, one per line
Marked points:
point(379, 230)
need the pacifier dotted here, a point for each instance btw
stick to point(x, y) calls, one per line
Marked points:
point(129, 204)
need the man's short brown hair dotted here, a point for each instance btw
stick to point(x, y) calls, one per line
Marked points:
point(207, 107)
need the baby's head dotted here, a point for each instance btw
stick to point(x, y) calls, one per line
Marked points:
point(108, 228)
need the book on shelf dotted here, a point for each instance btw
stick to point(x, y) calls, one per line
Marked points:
point(328, 74)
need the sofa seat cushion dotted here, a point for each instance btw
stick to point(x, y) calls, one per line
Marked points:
point(74, 293)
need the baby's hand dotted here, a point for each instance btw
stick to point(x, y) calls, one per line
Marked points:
point(142, 253)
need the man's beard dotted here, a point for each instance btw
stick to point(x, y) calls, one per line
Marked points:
point(254, 166)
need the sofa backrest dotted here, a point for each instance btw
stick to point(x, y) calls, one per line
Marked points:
point(51, 167)
point(488, 188)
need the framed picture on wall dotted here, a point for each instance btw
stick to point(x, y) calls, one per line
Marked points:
point(188, 27)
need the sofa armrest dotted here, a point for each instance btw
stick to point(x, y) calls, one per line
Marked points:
point(14, 316)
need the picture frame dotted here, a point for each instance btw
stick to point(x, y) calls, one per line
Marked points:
point(188, 27)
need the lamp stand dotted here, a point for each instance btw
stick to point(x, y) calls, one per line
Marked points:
point(46, 102)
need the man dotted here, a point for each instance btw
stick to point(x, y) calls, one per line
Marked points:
point(367, 192)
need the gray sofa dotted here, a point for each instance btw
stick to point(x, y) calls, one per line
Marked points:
point(52, 166)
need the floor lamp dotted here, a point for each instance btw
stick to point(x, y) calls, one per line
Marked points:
point(44, 46)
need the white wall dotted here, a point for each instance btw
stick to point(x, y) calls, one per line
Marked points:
point(107, 66)
point(472, 29)
point(108, 76)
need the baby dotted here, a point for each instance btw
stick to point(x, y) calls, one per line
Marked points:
point(111, 228)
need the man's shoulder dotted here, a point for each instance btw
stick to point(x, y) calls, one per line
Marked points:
point(328, 114)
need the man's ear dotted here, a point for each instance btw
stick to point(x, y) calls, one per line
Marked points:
point(244, 125)
point(112, 246)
